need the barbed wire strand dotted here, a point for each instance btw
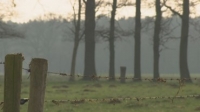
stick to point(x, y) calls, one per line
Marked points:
point(94, 77)
point(110, 100)
point(162, 80)
point(116, 100)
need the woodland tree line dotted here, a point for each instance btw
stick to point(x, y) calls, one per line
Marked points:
point(183, 12)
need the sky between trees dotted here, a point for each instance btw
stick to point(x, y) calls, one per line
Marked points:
point(30, 9)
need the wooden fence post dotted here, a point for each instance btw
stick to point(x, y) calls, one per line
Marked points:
point(122, 73)
point(12, 82)
point(38, 74)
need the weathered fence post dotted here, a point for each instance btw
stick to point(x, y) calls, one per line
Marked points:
point(12, 82)
point(122, 73)
point(38, 74)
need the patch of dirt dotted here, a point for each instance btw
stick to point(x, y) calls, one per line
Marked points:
point(112, 85)
point(89, 90)
point(77, 102)
point(61, 90)
point(97, 85)
point(174, 85)
point(114, 101)
point(55, 86)
point(198, 97)
point(94, 85)
point(158, 101)
point(85, 86)
point(63, 86)
point(197, 109)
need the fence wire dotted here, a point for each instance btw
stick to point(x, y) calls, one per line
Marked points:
point(111, 100)
point(181, 82)
point(116, 100)
point(119, 99)
point(94, 77)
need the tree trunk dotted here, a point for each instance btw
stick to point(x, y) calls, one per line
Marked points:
point(137, 69)
point(184, 71)
point(89, 64)
point(156, 39)
point(76, 42)
point(111, 42)
point(73, 63)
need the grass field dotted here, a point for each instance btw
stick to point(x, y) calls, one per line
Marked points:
point(60, 89)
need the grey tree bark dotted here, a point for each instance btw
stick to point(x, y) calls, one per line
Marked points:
point(89, 62)
point(137, 62)
point(183, 65)
point(111, 42)
point(184, 71)
point(76, 41)
point(156, 39)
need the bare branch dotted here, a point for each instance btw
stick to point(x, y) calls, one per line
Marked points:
point(84, 1)
point(82, 35)
point(125, 3)
point(74, 13)
point(172, 10)
point(13, 3)
point(123, 32)
point(98, 5)
point(102, 33)
point(38, 2)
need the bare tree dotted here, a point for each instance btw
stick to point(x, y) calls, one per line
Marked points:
point(137, 36)
point(162, 29)
point(111, 42)
point(89, 63)
point(112, 35)
point(196, 25)
point(184, 71)
point(113, 32)
point(156, 38)
point(77, 37)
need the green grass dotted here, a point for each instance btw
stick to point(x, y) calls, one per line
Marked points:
point(60, 89)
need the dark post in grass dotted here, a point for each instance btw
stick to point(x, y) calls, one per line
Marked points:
point(122, 73)
point(38, 74)
point(12, 82)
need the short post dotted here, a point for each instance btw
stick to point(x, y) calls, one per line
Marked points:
point(12, 82)
point(122, 73)
point(38, 74)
